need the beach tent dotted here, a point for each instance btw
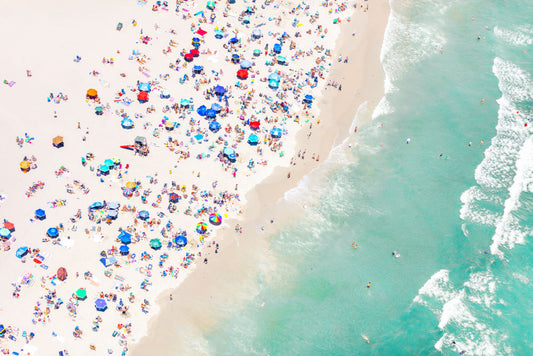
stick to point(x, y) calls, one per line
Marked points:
point(21, 251)
point(273, 84)
point(201, 228)
point(274, 76)
point(52, 232)
point(145, 87)
point(92, 94)
point(100, 304)
point(220, 90)
point(210, 113)
point(275, 132)
point(254, 125)
point(81, 294)
point(215, 218)
point(58, 142)
point(124, 237)
point(195, 52)
point(229, 153)
point(253, 139)
point(235, 58)
point(144, 215)
point(9, 225)
point(61, 273)
point(127, 123)
point(155, 244)
point(256, 34)
point(216, 107)
point(173, 198)
point(5, 233)
point(40, 214)
point(96, 205)
point(25, 166)
point(188, 57)
point(104, 169)
point(214, 126)
point(201, 110)
point(242, 74)
point(181, 241)
point(108, 261)
point(277, 48)
point(142, 97)
point(246, 64)
point(124, 250)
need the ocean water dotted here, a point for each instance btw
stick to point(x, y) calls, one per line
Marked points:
point(456, 203)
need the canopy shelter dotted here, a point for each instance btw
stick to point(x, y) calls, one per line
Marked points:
point(81, 294)
point(215, 219)
point(131, 185)
point(181, 241)
point(52, 232)
point(61, 273)
point(184, 103)
point(9, 225)
point(99, 110)
point(58, 142)
point(140, 140)
point(210, 5)
point(233, 40)
point(124, 250)
point(308, 98)
point(109, 162)
point(201, 228)
point(92, 94)
point(214, 126)
point(100, 304)
point(124, 237)
point(104, 169)
point(155, 244)
point(40, 214)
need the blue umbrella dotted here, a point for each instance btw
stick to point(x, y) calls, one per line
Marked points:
point(52, 232)
point(5, 233)
point(201, 110)
point(165, 94)
point(219, 34)
point(246, 64)
point(246, 19)
point(274, 76)
point(96, 205)
point(40, 214)
point(145, 87)
point(229, 153)
point(235, 58)
point(100, 304)
point(210, 113)
point(124, 237)
point(124, 250)
point(256, 33)
point(216, 107)
point(113, 205)
point(253, 139)
point(195, 40)
point(144, 215)
point(220, 90)
point(233, 40)
point(127, 123)
point(273, 84)
point(277, 48)
point(308, 98)
point(22, 251)
point(197, 68)
point(275, 132)
point(214, 126)
point(181, 241)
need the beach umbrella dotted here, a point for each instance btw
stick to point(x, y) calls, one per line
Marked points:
point(210, 5)
point(197, 69)
point(104, 169)
point(112, 214)
point(100, 304)
point(273, 84)
point(144, 215)
point(25, 165)
point(131, 185)
point(188, 57)
point(181, 240)
point(246, 64)
point(173, 198)
point(127, 123)
point(10, 226)
point(308, 98)
point(124, 237)
point(220, 90)
point(216, 107)
point(274, 76)
point(229, 153)
point(233, 40)
point(246, 19)
point(256, 33)
point(201, 110)
point(214, 126)
point(275, 132)
point(235, 58)
point(81, 294)
point(277, 48)
point(257, 52)
point(142, 97)
point(5, 233)
point(195, 40)
point(195, 52)
point(170, 125)
point(145, 87)
point(109, 162)
point(92, 94)
point(184, 102)
point(99, 110)
point(253, 139)
point(219, 34)
point(281, 59)
point(108, 261)
point(124, 250)
point(52, 232)
point(249, 10)
point(215, 218)
point(210, 113)
point(58, 141)
point(113, 205)
point(61, 273)
point(21, 251)
point(40, 214)
point(155, 244)
point(242, 74)
point(201, 228)
point(96, 205)
point(165, 94)
point(255, 125)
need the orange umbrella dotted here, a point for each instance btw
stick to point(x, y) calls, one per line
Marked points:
point(57, 141)
point(92, 93)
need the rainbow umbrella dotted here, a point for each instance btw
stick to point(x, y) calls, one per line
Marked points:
point(215, 219)
point(201, 228)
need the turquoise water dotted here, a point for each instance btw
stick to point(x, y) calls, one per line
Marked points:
point(459, 214)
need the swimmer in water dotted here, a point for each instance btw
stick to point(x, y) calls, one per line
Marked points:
point(354, 245)
point(366, 339)
point(368, 285)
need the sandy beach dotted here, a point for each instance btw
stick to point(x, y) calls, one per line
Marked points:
point(148, 141)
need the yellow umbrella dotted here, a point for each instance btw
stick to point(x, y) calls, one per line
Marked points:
point(131, 185)
point(25, 165)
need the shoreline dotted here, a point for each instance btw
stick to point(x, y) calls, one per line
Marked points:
point(199, 302)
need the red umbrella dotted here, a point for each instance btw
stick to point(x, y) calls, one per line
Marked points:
point(201, 32)
point(189, 57)
point(242, 73)
point(195, 52)
point(142, 96)
point(254, 124)
point(10, 226)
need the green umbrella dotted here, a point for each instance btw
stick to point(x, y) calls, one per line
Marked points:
point(81, 293)
point(210, 4)
point(155, 244)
